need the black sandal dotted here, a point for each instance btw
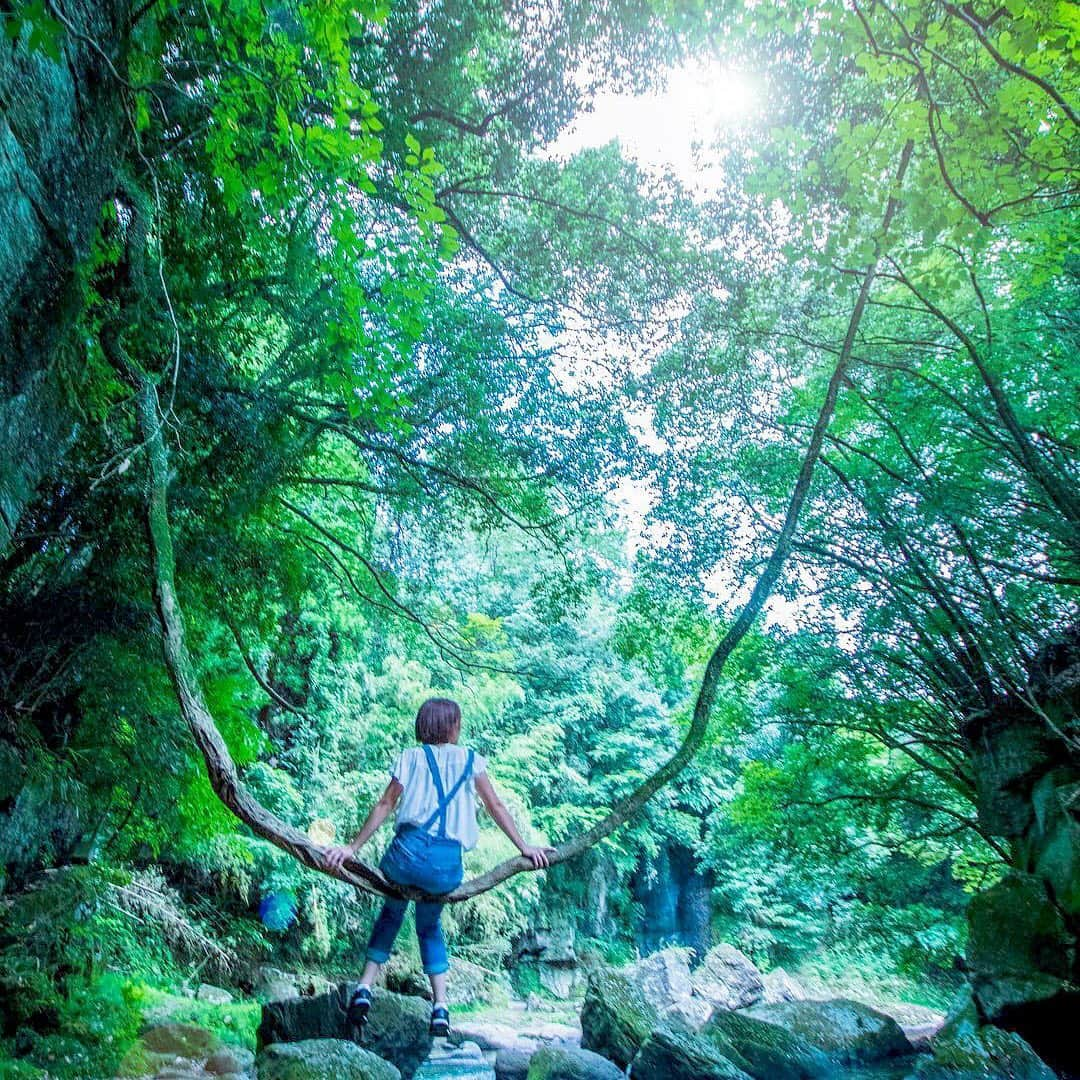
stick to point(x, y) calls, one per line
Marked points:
point(440, 1023)
point(357, 1013)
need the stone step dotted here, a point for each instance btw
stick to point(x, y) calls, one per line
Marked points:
point(464, 1062)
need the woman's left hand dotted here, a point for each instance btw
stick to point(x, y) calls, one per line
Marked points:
point(336, 856)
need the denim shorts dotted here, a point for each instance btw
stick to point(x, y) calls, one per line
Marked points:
point(423, 861)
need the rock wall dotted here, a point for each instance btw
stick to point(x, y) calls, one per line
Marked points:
point(1024, 933)
point(675, 902)
point(62, 138)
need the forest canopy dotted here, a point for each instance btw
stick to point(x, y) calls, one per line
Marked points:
point(733, 494)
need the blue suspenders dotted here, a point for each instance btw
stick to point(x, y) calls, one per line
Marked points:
point(444, 799)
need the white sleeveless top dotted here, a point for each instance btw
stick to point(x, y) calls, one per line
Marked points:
point(420, 797)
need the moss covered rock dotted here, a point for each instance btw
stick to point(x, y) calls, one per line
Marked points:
point(181, 1040)
point(286, 1020)
point(965, 1048)
point(512, 1064)
point(570, 1063)
point(767, 1051)
point(1018, 947)
point(322, 1059)
point(847, 1031)
point(681, 1055)
point(397, 1027)
point(615, 1017)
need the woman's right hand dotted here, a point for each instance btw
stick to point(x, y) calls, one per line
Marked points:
point(540, 857)
point(336, 856)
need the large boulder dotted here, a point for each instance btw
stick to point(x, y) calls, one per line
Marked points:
point(849, 1032)
point(213, 995)
point(571, 1063)
point(664, 977)
point(681, 1055)
point(967, 1049)
point(492, 1035)
point(767, 1051)
point(272, 984)
point(727, 979)
point(397, 1026)
point(1019, 950)
point(322, 1059)
point(1023, 941)
point(616, 1019)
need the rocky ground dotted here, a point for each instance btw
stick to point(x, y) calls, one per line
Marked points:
point(657, 1020)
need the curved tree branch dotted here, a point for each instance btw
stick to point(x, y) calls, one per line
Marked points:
point(222, 770)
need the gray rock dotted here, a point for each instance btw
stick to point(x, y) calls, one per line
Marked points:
point(490, 1035)
point(616, 1020)
point(847, 1031)
point(766, 1051)
point(664, 977)
point(273, 984)
point(728, 979)
point(512, 1064)
point(570, 1063)
point(782, 986)
point(691, 1012)
point(552, 944)
point(671, 1055)
point(215, 995)
point(181, 1040)
point(230, 1059)
point(322, 1059)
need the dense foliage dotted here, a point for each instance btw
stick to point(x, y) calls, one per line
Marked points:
point(406, 356)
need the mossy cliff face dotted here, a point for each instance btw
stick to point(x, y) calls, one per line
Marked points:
point(61, 148)
point(1024, 933)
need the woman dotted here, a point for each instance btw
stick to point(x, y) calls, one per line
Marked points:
point(434, 787)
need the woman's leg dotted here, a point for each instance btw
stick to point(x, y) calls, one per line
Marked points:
point(438, 988)
point(385, 931)
point(432, 944)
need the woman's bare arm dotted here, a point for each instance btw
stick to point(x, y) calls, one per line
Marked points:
point(497, 809)
point(335, 856)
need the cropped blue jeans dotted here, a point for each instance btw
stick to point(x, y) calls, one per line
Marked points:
point(427, 862)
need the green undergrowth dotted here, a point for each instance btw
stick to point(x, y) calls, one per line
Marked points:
point(872, 981)
point(98, 1031)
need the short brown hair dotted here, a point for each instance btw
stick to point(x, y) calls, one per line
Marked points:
point(436, 720)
